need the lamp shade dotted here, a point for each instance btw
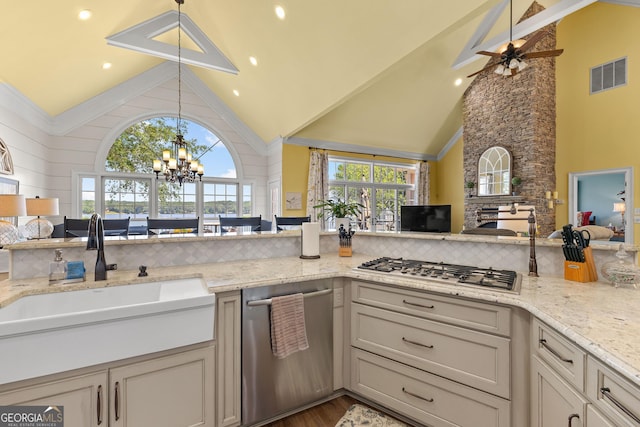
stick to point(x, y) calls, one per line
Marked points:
point(12, 205)
point(619, 207)
point(42, 206)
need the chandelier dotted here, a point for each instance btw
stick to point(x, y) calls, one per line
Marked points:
point(177, 164)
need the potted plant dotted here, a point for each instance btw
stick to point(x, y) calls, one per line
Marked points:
point(515, 181)
point(470, 185)
point(339, 209)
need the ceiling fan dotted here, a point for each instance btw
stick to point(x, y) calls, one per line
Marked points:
point(510, 57)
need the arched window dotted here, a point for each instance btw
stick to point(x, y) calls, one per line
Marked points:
point(130, 189)
point(136, 148)
point(494, 172)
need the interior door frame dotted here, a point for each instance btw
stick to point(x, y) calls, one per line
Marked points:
point(628, 185)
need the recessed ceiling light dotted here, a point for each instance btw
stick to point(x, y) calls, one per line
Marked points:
point(106, 65)
point(280, 13)
point(84, 15)
point(458, 82)
point(253, 60)
point(236, 92)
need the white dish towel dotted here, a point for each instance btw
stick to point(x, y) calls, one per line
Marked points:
point(288, 329)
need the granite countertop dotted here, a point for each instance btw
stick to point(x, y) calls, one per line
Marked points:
point(596, 316)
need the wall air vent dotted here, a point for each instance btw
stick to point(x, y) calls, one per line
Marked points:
point(608, 76)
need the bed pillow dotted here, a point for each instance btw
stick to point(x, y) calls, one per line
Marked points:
point(597, 232)
point(585, 217)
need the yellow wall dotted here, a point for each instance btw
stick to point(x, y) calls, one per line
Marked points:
point(295, 172)
point(447, 185)
point(597, 131)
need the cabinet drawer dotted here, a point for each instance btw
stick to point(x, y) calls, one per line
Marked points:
point(427, 398)
point(616, 397)
point(562, 355)
point(473, 358)
point(484, 317)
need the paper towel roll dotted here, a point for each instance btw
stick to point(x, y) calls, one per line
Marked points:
point(310, 240)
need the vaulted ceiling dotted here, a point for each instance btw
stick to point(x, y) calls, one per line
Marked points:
point(374, 73)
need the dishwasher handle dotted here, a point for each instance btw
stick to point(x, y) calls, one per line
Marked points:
point(267, 301)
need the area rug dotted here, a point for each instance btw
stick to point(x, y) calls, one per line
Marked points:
point(359, 415)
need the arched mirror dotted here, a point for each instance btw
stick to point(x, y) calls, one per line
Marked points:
point(494, 172)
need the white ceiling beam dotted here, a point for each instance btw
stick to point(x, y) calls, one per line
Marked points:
point(528, 26)
point(140, 38)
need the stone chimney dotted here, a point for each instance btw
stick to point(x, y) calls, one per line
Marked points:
point(519, 114)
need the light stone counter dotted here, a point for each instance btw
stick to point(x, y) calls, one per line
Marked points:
point(601, 319)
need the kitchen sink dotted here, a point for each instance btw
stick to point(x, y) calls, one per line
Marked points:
point(60, 331)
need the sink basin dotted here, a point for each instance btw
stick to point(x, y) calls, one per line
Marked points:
point(60, 331)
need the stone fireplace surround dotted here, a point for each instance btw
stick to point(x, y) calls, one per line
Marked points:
point(519, 114)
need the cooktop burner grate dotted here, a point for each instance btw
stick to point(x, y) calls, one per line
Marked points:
point(442, 272)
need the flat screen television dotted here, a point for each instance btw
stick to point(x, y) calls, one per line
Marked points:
point(426, 218)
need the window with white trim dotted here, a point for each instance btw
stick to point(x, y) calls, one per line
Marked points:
point(380, 187)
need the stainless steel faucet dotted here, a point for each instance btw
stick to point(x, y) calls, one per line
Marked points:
point(95, 241)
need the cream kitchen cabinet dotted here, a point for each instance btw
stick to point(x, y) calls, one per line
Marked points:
point(170, 391)
point(442, 361)
point(228, 339)
point(84, 398)
point(616, 397)
point(553, 401)
point(571, 387)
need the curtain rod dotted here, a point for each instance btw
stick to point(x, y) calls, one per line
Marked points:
point(365, 154)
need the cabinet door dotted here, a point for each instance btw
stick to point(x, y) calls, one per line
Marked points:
point(596, 419)
point(83, 398)
point(554, 403)
point(228, 338)
point(171, 391)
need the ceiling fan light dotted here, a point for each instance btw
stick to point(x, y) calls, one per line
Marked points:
point(507, 72)
point(522, 65)
point(499, 69)
point(513, 63)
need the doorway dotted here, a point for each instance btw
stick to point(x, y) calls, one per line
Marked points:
point(608, 195)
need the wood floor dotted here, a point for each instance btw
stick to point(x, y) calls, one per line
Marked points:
point(325, 415)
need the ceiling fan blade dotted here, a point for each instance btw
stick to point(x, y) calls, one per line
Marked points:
point(543, 54)
point(535, 38)
point(485, 52)
point(484, 69)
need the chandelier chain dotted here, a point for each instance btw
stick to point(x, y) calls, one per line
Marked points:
point(181, 167)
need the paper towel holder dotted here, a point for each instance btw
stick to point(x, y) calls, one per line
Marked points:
point(302, 255)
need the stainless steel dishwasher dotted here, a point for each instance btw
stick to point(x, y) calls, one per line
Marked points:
point(272, 386)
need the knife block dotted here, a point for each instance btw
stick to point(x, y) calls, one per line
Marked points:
point(576, 271)
point(581, 271)
point(345, 251)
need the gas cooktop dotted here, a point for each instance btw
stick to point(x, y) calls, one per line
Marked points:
point(505, 280)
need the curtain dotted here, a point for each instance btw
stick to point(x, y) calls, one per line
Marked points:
point(317, 184)
point(423, 184)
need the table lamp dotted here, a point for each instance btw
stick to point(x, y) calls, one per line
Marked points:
point(40, 228)
point(620, 207)
point(11, 205)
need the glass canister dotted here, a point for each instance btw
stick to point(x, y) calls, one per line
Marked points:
point(621, 271)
